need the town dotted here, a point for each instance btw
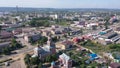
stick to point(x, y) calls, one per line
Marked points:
point(59, 38)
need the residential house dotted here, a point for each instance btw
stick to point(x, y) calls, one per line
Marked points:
point(65, 45)
point(54, 26)
point(5, 34)
point(56, 31)
point(46, 33)
point(4, 44)
point(117, 30)
point(101, 61)
point(114, 65)
point(93, 56)
point(33, 36)
point(17, 31)
point(65, 61)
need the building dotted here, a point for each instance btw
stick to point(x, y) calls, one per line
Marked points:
point(4, 44)
point(56, 31)
point(109, 35)
point(5, 34)
point(65, 45)
point(33, 36)
point(46, 33)
point(46, 50)
point(54, 16)
point(114, 65)
point(17, 31)
point(117, 30)
point(65, 61)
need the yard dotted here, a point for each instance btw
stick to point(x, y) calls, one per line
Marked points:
point(79, 58)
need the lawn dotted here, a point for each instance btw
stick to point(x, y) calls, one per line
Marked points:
point(98, 48)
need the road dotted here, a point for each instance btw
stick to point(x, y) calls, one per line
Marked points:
point(21, 51)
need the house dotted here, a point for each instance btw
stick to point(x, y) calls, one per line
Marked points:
point(108, 55)
point(5, 34)
point(56, 31)
point(46, 50)
point(33, 36)
point(46, 32)
point(93, 56)
point(117, 30)
point(17, 31)
point(54, 26)
point(77, 40)
point(4, 44)
point(114, 65)
point(101, 61)
point(104, 41)
point(53, 65)
point(65, 45)
point(65, 61)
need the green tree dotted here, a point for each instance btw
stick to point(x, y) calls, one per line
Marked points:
point(15, 44)
point(34, 60)
point(48, 58)
point(36, 22)
point(65, 36)
point(55, 39)
point(40, 65)
point(43, 40)
point(27, 59)
point(6, 51)
point(54, 57)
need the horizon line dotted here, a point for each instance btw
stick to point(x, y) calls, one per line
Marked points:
point(56, 8)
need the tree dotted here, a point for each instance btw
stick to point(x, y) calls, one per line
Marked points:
point(55, 39)
point(68, 33)
point(27, 59)
point(64, 35)
point(15, 44)
point(54, 57)
point(43, 40)
point(106, 23)
point(6, 51)
point(51, 58)
point(34, 60)
point(48, 58)
point(31, 40)
point(40, 65)
point(36, 22)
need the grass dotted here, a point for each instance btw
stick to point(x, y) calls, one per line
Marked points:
point(63, 23)
point(99, 49)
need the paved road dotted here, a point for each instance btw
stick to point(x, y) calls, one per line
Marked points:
point(20, 51)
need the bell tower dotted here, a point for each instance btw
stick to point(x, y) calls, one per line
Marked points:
point(51, 44)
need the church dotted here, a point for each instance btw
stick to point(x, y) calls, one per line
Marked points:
point(46, 50)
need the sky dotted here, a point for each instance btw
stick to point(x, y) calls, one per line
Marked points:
point(61, 3)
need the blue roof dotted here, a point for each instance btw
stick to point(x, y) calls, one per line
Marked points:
point(91, 59)
point(93, 55)
point(53, 63)
point(102, 33)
